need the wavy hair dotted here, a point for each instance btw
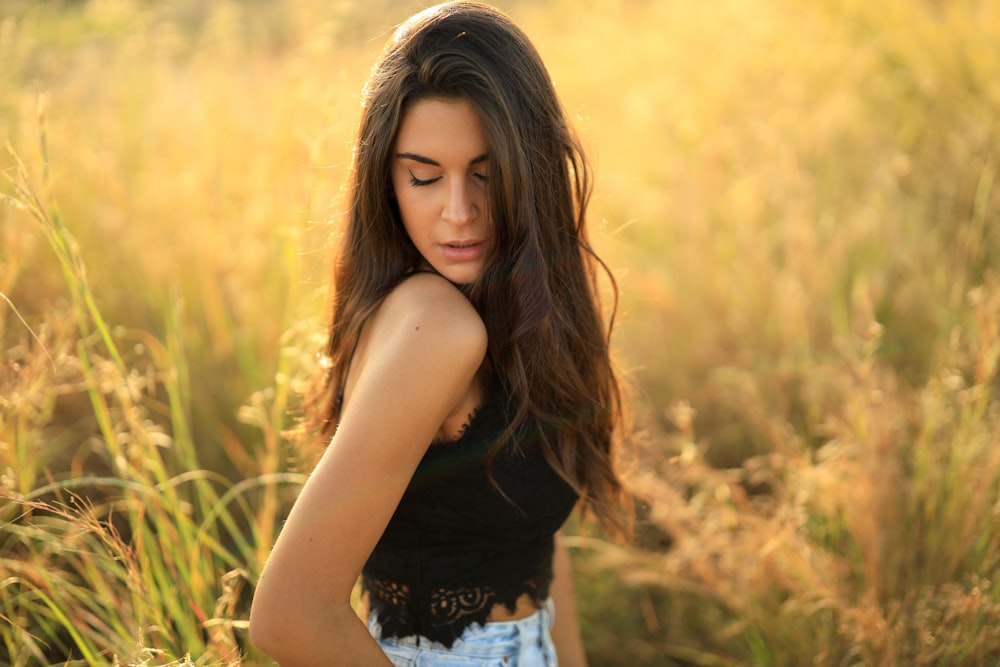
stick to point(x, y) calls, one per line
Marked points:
point(538, 294)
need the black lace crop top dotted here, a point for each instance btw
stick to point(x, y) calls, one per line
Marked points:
point(455, 546)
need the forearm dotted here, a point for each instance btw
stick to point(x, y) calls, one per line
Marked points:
point(565, 630)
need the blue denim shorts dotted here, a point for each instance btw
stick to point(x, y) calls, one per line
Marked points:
point(522, 643)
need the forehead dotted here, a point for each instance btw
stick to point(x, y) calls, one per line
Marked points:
point(439, 128)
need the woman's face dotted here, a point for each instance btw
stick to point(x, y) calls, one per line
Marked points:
point(440, 165)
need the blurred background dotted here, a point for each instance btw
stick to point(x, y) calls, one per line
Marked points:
point(799, 201)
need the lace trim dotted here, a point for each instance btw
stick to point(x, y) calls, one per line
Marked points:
point(454, 605)
point(450, 611)
point(396, 594)
point(473, 416)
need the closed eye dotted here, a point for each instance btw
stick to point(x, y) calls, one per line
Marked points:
point(418, 182)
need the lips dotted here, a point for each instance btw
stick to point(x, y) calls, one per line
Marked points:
point(463, 251)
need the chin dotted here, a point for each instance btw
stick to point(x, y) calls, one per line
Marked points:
point(461, 275)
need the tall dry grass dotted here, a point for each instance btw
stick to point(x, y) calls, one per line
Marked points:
point(799, 199)
point(132, 551)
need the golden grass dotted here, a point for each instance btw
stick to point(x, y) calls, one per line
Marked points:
point(800, 200)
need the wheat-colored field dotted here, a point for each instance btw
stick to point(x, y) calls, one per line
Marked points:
point(800, 201)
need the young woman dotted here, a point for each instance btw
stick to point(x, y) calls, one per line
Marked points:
point(469, 402)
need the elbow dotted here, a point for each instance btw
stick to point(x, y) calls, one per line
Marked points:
point(266, 628)
point(275, 627)
point(293, 629)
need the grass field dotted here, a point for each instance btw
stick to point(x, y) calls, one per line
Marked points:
point(801, 204)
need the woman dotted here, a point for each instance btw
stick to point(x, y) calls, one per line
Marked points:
point(469, 402)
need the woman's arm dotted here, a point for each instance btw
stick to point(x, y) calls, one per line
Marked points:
point(565, 630)
point(422, 349)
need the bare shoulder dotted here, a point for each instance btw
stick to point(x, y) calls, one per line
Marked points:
point(426, 337)
point(428, 312)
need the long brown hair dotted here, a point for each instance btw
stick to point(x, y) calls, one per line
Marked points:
point(538, 295)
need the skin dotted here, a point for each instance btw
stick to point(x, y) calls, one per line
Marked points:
point(415, 377)
point(439, 175)
point(565, 630)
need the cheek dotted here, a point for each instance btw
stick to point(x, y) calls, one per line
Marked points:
point(410, 206)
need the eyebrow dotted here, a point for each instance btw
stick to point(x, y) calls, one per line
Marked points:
point(416, 157)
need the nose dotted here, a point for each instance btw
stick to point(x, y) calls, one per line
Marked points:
point(461, 205)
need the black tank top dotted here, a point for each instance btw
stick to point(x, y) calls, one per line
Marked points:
point(456, 546)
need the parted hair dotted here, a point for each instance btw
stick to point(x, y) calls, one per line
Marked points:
point(538, 295)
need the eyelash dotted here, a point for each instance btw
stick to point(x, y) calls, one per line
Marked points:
point(418, 183)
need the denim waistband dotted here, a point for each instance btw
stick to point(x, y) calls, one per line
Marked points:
point(495, 639)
